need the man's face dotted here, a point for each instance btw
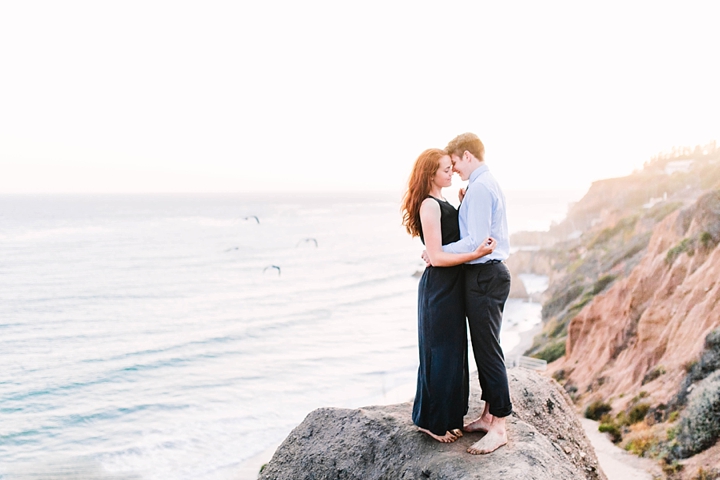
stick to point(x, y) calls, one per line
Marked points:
point(460, 166)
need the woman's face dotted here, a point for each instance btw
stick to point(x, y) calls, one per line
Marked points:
point(443, 176)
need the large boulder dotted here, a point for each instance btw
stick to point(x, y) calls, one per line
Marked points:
point(546, 442)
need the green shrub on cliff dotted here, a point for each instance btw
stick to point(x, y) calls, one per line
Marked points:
point(706, 364)
point(710, 358)
point(597, 409)
point(628, 252)
point(706, 240)
point(712, 340)
point(637, 413)
point(624, 226)
point(552, 351)
point(633, 415)
point(584, 300)
point(710, 474)
point(613, 430)
point(555, 328)
point(699, 426)
point(653, 374)
point(602, 282)
point(643, 445)
point(659, 212)
point(561, 300)
point(685, 245)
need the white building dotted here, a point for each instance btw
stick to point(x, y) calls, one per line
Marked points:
point(678, 166)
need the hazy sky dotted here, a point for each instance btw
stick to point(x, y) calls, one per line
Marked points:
point(172, 96)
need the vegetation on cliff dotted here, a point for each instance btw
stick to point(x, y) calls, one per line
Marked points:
point(607, 232)
point(631, 316)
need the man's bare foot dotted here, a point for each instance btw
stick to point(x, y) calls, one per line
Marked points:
point(457, 432)
point(480, 425)
point(489, 443)
point(447, 438)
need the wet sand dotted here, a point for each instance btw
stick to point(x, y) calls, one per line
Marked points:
point(526, 341)
point(250, 469)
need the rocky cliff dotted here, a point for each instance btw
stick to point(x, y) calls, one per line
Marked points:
point(632, 313)
point(546, 441)
point(657, 318)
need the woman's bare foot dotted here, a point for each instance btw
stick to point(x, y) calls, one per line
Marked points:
point(489, 443)
point(457, 432)
point(447, 438)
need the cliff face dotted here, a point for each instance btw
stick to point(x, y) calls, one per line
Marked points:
point(617, 225)
point(546, 441)
point(631, 318)
point(643, 332)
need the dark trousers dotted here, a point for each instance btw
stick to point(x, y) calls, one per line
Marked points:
point(487, 287)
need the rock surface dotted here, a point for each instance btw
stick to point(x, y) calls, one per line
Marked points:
point(546, 441)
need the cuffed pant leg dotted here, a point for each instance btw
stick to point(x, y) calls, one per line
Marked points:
point(486, 290)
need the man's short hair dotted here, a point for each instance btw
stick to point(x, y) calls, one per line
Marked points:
point(466, 141)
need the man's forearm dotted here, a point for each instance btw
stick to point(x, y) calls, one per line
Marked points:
point(466, 245)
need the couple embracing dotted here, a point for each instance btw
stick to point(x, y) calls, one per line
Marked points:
point(465, 278)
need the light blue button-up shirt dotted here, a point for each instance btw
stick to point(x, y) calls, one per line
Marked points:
point(482, 215)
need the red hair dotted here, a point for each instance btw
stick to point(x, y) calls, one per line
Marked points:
point(423, 172)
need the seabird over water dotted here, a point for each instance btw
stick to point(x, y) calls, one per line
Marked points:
point(307, 240)
point(272, 266)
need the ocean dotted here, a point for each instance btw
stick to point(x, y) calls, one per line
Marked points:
point(177, 336)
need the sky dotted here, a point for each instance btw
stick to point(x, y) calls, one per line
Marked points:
point(220, 96)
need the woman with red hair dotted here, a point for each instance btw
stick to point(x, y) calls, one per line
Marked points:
point(441, 400)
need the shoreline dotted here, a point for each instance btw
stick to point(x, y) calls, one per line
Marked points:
point(250, 468)
point(526, 341)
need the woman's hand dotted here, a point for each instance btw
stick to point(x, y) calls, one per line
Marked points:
point(486, 247)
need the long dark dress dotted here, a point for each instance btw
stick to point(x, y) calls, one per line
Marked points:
point(441, 400)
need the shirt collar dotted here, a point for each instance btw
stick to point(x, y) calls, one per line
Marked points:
point(477, 172)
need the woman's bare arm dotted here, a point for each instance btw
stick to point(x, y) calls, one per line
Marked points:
point(432, 233)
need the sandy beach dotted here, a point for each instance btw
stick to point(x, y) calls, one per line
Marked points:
point(526, 341)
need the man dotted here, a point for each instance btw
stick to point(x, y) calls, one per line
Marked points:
point(487, 284)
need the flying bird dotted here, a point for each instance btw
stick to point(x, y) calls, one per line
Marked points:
point(307, 240)
point(272, 266)
point(253, 216)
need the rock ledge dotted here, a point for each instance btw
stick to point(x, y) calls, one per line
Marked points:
point(546, 441)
